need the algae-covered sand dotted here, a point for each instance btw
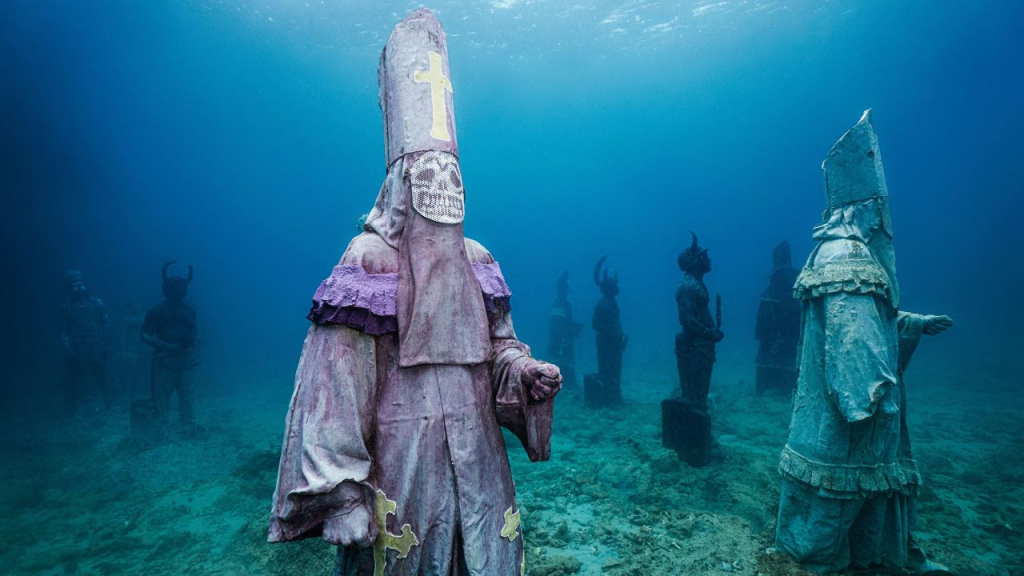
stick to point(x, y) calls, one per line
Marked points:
point(80, 499)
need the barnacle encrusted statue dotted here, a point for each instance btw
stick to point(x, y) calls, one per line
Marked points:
point(850, 482)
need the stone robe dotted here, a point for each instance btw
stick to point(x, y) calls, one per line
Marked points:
point(849, 478)
point(420, 445)
point(778, 331)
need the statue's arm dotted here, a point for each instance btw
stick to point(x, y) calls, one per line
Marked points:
point(148, 334)
point(323, 486)
point(149, 337)
point(912, 326)
point(858, 370)
point(523, 387)
point(516, 404)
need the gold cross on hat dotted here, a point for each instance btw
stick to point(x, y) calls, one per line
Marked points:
point(438, 84)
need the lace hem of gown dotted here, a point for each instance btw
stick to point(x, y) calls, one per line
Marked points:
point(845, 482)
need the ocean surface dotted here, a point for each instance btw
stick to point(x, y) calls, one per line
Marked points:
point(245, 138)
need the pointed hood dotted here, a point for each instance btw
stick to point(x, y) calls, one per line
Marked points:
point(421, 205)
point(858, 199)
point(416, 89)
point(421, 151)
point(853, 168)
point(781, 256)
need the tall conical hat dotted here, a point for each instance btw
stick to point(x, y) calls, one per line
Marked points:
point(781, 256)
point(416, 88)
point(853, 168)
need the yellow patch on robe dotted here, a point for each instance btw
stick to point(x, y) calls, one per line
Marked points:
point(382, 507)
point(511, 528)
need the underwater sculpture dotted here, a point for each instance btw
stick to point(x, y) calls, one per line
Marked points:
point(562, 333)
point(686, 423)
point(605, 387)
point(849, 488)
point(778, 326)
point(170, 328)
point(85, 341)
point(392, 448)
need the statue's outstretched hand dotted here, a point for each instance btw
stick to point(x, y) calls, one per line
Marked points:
point(542, 380)
point(353, 528)
point(936, 324)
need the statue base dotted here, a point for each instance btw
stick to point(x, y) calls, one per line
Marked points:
point(599, 393)
point(686, 429)
point(773, 380)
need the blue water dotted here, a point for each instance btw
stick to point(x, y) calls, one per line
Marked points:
point(244, 137)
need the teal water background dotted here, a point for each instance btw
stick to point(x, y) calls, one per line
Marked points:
point(245, 138)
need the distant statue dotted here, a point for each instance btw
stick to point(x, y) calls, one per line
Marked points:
point(85, 339)
point(604, 388)
point(778, 326)
point(170, 328)
point(849, 479)
point(562, 334)
point(686, 422)
point(695, 345)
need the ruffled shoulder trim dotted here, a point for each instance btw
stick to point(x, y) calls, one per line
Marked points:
point(352, 297)
point(497, 296)
point(848, 482)
point(847, 267)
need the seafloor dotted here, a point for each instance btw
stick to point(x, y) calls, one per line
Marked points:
point(80, 499)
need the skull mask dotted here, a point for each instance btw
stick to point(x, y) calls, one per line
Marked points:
point(437, 192)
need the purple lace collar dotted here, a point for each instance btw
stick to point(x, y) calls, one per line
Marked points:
point(368, 302)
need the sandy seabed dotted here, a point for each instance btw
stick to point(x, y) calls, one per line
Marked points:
point(79, 498)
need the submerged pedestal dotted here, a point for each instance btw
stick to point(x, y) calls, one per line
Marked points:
point(686, 428)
